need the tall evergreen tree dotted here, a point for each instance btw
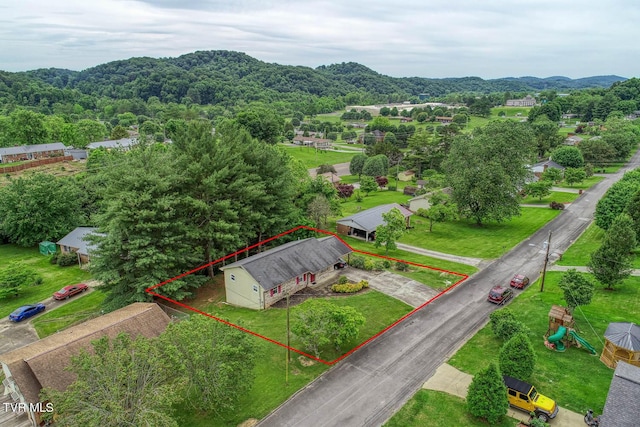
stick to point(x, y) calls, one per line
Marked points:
point(487, 395)
point(611, 262)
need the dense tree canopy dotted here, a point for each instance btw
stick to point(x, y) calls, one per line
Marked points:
point(488, 168)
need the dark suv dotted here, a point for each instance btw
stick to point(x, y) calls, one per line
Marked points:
point(500, 295)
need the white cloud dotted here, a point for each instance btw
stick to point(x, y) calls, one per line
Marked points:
point(489, 38)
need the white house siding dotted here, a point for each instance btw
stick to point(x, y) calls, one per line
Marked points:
point(242, 289)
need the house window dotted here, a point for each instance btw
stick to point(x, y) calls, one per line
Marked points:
point(255, 288)
point(232, 277)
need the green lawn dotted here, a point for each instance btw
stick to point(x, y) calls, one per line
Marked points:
point(410, 256)
point(270, 389)
point(510, 112)
point(380, 197)
point(575, 379)
point(82, 308)
point(555, 196)
point(587, 183)
point(465, 238)
point(54, 277)
point(312, 158)
point(580, 251)
point(438, 409)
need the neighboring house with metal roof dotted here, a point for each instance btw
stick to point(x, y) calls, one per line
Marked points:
point(573, 140)
point(31, 152)
point(364, 224)
point(75, 242)
point(122, 144)
point(42, 364)
point(621, 408)
point(261, 280)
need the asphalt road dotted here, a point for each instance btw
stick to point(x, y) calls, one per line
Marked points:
point(369, 386)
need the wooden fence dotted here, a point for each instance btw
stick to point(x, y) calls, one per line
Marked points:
point(34, 163)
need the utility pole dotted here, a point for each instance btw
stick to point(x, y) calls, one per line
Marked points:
point(546, 260)
point(288, 343)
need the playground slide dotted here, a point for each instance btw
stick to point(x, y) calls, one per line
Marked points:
point(557, 338)
point(583, 342)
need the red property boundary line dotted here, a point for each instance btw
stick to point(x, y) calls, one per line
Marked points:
point(462, 276)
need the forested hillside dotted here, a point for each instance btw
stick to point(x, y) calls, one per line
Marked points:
point(229, 79)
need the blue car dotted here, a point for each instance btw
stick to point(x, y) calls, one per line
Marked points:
point(26, 311)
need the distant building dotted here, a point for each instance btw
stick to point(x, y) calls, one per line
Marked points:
point(527, 101)
point(122, 144)
point(31, 152)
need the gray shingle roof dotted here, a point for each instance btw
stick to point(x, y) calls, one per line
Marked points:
point(116, 143)
point(75, 239)
point(370, 219)
point(625, 335)
point(36, 148)
point(621, 408)
point(278, 265)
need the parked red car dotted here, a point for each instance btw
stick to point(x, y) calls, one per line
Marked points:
point(519, 281)
point(500, 295)
point(69, 291)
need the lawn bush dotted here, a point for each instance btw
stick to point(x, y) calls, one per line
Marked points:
point(517, 358)
point(349, 288)
point(401, 266)
point(66, 260)
point(556, 205)
point(504, 324)
point(343, 280)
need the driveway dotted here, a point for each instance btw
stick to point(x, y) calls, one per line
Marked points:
point(370, 385)
point(16, 335)
point(399, 287)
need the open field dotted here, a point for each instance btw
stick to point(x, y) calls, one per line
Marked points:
point(54, 277)
point(312, 158)
point(587, 183)
point(561, 376)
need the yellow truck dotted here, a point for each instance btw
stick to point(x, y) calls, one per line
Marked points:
point(524, 396)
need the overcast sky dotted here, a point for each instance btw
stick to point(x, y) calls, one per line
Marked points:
point(426, 38)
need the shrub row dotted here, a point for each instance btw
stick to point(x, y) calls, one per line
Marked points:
point(349, 288)
point(368, 264)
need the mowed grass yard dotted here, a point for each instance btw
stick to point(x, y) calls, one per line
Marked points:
point(575, 379)
point(554, 196)
point(81, 308)
point(465, 238)
point(438, 409)
point(54, 277)
point(312, 158)
point(270, 388)
point(579, 253)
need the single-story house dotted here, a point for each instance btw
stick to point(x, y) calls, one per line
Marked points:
point(444, 120)
point(419, 202)
point(540, 168)
point(76, 242)
point(572, 140)
point(311, 141)
point(31, 152)
point(364, 224)
point(261, 280)
point(122, 144)
point(42, 364)
point(621, 408)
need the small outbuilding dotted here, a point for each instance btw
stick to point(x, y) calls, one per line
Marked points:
point(261, 280)
point(364, 224)
point(621, 343)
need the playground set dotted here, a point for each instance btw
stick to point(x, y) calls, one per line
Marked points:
point(562, 334)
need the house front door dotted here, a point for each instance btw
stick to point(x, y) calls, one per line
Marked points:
point(312, 278)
